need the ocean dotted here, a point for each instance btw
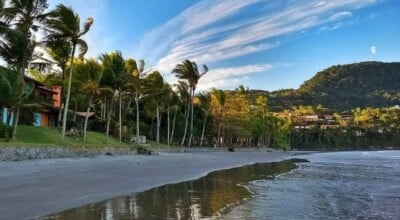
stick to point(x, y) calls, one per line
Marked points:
point(339, 185)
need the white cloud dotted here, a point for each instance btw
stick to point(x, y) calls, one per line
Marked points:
point(231, 76)
point(205, 34)
point(372, 50)
point(340, 15)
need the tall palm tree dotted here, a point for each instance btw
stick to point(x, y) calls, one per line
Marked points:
point(184, 93)
point(19, 19)
point(114, 77)
point(136, 69)
point(205, 105)
point(157, 96)
point(220, 99)
point(60, 51)
point(64, 23)
point(88, 79)
point(189, 71)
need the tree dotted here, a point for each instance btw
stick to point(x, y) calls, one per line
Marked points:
point(89, 74)
point(157, 96)
point(19, 19)
point(219, 98)
point(261, 102)
point(205, 105)
point(184, 94)
point(189, 71)
point(136, 69)
point(13, 91)
point(64, 23)
point(114, 78)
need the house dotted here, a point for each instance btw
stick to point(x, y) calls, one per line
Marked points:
point(49, 98)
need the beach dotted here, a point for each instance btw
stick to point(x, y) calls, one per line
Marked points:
point(33, 188)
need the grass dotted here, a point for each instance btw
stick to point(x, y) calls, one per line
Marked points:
point(48, 137)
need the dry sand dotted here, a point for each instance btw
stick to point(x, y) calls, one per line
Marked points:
point(30, 189)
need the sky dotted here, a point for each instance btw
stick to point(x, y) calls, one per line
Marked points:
point(261, 44)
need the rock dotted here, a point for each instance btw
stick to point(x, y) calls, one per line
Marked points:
point(231, 149)
point(299, 160)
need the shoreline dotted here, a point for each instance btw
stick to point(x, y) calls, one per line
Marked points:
point(34, 188)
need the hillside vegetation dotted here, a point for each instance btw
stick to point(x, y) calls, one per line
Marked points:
point(349, 86)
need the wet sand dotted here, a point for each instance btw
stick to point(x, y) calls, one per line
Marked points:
point(30, 189)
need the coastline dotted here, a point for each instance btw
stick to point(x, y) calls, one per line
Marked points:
point(34, 188)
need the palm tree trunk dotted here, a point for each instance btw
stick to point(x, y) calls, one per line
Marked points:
point(204, 128)
point(173, 126)
point(191, 120)
point(109, 119)
point(158, 125)
point(15, 123)
point(168, 127)
point(219, 134)
point(186, 125)
point(8, 122)
point(137, 116)
point(120, 117)
point(87, 118)
point(64, 124)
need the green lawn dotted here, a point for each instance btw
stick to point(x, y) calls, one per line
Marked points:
point(44, 136)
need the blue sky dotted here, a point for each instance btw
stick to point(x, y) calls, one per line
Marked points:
point(262, 44)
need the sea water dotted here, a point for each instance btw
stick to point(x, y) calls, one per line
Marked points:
point(341, 185)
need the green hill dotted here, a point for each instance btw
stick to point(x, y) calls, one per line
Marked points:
point(343, 87)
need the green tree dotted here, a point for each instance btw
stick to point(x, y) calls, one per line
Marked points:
point(19, 19)
point(136, 70)
point(88, 76)
point(114, 77)
point(189, 72)
point(205, 105)
point(219, 97)
point(64, 23)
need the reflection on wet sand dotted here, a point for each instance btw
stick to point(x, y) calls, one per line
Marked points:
point(204, 197)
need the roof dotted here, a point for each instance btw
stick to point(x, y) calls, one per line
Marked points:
point(83, 114)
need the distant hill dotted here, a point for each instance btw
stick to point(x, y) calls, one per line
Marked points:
point(365, 84)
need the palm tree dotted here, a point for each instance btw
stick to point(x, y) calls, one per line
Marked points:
point(205, 105)
point(18, 20)
point(64, 23)
point(220, 99)
point(13, 91)
point(184, 93)
point(158, 96)
point(114, 77)
point(60, 51)
point(189, 71)
point(89, 74)
point(137, 71)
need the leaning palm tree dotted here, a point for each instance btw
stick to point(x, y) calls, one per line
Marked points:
point(189, 72)
point(59, 50)
point(64, 23)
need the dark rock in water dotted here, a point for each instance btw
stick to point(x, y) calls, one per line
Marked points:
point(109, 154)
point(299, 160)
point(231, 149)
point(144, 151)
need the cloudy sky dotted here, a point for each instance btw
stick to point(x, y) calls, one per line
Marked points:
point(262, 44)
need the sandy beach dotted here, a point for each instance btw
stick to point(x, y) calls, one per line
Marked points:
point(33, 188)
